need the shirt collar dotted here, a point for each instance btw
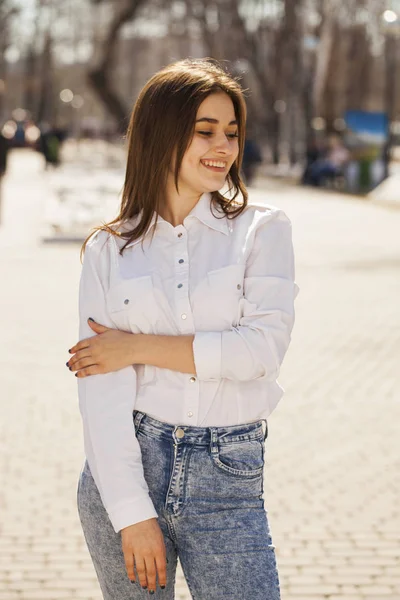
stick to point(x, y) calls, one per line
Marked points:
point(202, 212)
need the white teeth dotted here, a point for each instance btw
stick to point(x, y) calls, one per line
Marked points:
point(214, 163)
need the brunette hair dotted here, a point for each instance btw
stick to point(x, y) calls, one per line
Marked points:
point(161, 128)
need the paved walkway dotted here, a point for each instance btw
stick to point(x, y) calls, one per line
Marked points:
point(332, 473)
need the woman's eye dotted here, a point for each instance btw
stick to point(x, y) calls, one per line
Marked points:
point(231, 136)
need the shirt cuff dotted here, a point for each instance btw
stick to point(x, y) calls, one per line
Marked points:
point(207, 352)
point(128, 513)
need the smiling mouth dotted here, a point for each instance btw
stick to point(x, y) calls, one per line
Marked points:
point(219, 166)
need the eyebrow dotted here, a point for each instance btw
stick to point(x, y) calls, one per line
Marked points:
point(209, 120)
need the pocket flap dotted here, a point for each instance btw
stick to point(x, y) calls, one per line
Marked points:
point(128, 292)
point(230, 278)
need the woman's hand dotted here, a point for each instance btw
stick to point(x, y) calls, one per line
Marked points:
point(143, 547)
point(109, 350)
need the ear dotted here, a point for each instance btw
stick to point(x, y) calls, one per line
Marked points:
point(96, 327)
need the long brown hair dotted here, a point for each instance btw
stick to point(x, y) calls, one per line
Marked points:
point(161, 128)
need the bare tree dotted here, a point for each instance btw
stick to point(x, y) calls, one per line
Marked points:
point(8, 12)
point(100, 76)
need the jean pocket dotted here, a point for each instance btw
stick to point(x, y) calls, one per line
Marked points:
point(241, 459)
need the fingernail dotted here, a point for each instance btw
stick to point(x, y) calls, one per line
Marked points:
point(144, 587)
point(162, 587)
point(69, 351)
point(70, 368)
point(76, 374)
point(133, 581)
point(151, 591)
point(90, 319)
point(66, 364)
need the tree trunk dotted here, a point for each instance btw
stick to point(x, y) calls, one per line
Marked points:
point(7, 14)
point(100, 77)
point(323, 60)
point(30, 81)
point(45, 110)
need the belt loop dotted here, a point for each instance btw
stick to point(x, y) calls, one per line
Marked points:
point(137, 418)
point(214, 440)
point(266, 429)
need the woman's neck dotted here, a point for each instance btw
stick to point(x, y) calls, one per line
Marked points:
point(178, 206)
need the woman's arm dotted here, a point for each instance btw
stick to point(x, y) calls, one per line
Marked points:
point(254, 349)
point(112, 349)
point(165, 351)
point(106, 403)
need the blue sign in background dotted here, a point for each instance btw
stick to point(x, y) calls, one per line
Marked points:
point(372, 127)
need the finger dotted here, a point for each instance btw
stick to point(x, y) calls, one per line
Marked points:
point(80, 346)
point(82, 363)
point(92, 370)
point(151, 573)
point(96, 326)
point(141, 571)
point(79, 356)
point(129, 564)
point(161, 565)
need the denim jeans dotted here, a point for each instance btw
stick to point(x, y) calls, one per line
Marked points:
point(206, 484)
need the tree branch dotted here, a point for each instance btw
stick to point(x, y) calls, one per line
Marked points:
point(100, 76)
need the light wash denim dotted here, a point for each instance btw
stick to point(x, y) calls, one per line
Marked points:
point(207, 488)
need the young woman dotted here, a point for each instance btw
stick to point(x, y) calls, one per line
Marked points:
point(186, 310)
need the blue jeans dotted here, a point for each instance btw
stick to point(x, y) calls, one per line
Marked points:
point(206, 484)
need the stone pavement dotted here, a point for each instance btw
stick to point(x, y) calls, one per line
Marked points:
point(387, 193)
point(332, 472)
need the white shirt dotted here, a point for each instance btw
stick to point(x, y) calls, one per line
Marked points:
point(228, 282)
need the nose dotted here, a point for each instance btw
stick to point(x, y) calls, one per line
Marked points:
point(222, 145)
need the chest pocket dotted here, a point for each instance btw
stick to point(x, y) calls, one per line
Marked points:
point(132, 307)
point(131, 304)
point(222, 298)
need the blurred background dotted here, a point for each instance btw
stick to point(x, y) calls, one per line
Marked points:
point(319, 73)
point(323, 95)
point(79, 64)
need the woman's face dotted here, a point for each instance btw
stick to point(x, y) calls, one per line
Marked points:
point(213, 149)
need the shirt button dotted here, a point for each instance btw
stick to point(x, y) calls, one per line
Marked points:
point(181, 261)
point(183, 316)
point(192, 379)
point(180, 234)
point(239, 287)
point(126, 301)
point(179, 285)
point(190, 414)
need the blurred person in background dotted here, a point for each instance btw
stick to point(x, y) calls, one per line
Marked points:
point(4, 148)
point(186, 311)
point(251, 158)
point(315, 151)
point(331, 164)
point(49, 145)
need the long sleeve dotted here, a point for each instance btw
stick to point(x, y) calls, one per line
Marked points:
point(256, 347)
point(106, 403)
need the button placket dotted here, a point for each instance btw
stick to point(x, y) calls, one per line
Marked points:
point(192, 398)
point(184, 318)
point(181, 284)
